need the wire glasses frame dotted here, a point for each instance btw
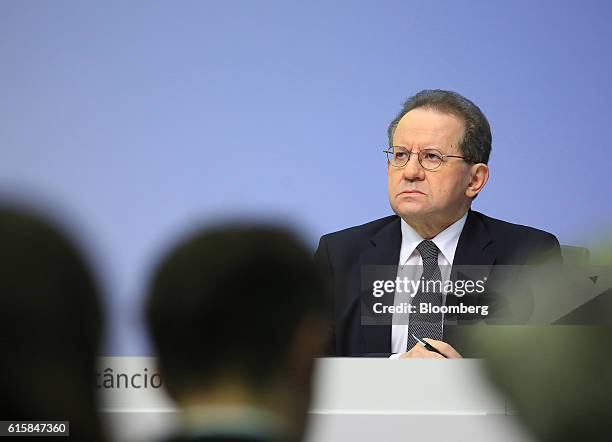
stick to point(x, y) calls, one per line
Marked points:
point(429, 159)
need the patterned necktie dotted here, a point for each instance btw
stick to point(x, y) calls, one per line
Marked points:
point(427, 325)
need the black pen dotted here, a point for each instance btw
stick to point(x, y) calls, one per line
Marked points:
point(428, 346)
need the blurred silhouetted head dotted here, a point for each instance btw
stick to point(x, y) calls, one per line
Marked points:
point(559, 377)
point(50, 325)
point(243, 302)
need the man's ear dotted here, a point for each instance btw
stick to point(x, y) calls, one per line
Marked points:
point(479, 175)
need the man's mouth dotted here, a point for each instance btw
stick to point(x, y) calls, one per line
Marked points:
point(411, 192)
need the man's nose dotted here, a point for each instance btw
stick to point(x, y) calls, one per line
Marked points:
point(413, 171)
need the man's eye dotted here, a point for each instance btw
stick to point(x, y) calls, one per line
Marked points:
point(432, 156)
point(400, 155)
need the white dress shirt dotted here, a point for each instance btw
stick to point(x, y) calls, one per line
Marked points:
point(446, 241)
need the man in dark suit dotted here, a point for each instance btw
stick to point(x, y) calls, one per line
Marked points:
point(437, 164)
point(238, 315)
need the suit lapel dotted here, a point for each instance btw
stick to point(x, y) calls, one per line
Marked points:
point(473, 259)
point(473, 243)
point(382, 249)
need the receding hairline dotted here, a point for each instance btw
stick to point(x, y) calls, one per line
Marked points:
point(437, 108)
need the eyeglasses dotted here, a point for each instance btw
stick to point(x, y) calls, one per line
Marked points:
point(429, 159)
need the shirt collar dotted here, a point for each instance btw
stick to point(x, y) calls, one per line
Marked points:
point(446, 240)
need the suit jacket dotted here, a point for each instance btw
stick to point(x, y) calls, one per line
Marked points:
point(484, 242)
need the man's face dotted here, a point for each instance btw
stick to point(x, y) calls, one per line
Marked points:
point(433, 197)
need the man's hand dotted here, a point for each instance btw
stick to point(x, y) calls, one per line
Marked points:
point(419, 352)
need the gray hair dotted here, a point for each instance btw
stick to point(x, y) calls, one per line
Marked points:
point(475, 144)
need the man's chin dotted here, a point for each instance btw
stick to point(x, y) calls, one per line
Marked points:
point(410, 210)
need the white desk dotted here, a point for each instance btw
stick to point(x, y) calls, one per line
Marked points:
point(355, 399)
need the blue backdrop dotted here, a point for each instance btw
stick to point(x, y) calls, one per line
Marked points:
point(135, 119)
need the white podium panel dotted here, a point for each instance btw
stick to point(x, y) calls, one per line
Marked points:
point(423, 386)
point(355, 399)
